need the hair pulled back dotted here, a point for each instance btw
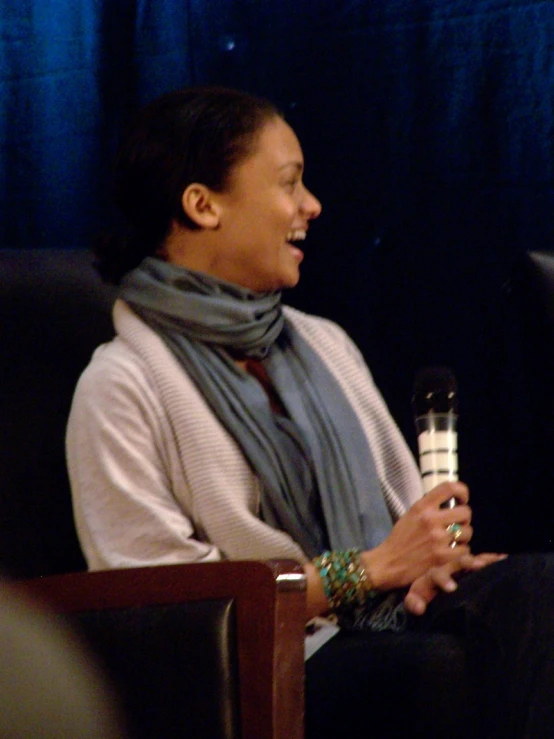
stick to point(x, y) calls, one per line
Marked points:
point(194, 135)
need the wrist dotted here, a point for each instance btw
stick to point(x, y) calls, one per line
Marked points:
point(345, 581)
point(375, 569)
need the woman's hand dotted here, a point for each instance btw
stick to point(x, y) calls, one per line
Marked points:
point(420, 541)
point(438, 579)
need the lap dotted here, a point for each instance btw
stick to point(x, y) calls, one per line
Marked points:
point(374, 685)
point(499, 591)
point(487, 646)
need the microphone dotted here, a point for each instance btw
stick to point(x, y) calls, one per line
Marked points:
point(435, 408)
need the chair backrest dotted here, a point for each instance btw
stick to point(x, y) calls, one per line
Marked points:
point(535, 285)
point(54, 311)
point(533, 293)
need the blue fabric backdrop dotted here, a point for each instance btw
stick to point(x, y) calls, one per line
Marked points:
point(427, 128)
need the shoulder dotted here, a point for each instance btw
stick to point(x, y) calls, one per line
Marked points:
point(136, 376)
point(112, 364)
point(129, 364)
point(114, 392)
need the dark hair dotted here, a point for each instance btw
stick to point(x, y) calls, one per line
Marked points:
point(193, 135)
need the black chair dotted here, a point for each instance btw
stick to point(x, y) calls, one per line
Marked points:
point(54, 310)
point(201, 650)
point(533, 303)
point(534, 289)
point(212, 650)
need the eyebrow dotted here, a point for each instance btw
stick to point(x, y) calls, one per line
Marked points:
point(298, 166)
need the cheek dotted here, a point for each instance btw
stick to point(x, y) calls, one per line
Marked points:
point(287, 212)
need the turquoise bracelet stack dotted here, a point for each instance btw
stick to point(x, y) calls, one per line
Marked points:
point(344, 579)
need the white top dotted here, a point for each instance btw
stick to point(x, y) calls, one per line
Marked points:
point(155, 477)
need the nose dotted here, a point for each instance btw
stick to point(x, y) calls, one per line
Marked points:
point(310, 205)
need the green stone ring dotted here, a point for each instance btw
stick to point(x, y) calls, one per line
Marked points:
point(455, 531)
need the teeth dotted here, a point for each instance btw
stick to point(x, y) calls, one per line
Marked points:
point(297, 235)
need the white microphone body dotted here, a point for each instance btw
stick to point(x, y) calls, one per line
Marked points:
point(436, 415)
point(437, 442)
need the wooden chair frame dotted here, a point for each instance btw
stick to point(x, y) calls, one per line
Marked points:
point(269, 599)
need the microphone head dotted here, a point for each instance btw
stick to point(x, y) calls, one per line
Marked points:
point(435, 391)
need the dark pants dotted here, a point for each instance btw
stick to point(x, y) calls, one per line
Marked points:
point(479, 664)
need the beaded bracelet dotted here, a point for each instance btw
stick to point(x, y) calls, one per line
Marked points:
point(344, 579)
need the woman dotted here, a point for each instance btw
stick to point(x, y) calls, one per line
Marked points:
point(221, 424)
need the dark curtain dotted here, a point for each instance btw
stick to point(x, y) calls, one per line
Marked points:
point(427, 128)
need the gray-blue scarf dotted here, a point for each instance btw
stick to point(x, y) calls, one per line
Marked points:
point(318, 477)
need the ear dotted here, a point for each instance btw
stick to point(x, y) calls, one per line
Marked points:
point(200, 206)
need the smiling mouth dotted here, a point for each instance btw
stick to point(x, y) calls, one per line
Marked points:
point(298, 234)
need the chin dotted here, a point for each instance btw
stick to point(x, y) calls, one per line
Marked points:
point(282, 281)
point(291, 279)
point(288, 284)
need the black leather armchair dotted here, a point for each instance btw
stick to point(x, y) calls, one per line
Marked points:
point(211, 650)
point(533, 303)
point(54, 310)
point(199, 650)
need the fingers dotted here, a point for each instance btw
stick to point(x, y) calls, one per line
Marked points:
point(431, 514)
point(460, 514)
point(454, 521)
point(447, 490)
point(445, 527)
point(478, 561)
point(426, 587)
point(419, 539)
point(441, 578)
point(430, 504)
point(458, 534)
point(415, 603)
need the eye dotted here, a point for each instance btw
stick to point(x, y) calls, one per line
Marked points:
point(291, 184)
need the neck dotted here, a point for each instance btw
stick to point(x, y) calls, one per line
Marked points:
point(188, 248)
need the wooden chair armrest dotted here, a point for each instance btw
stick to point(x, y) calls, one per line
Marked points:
point(270, 608)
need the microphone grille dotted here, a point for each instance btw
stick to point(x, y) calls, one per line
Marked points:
point(435, 390)
point(435, 377)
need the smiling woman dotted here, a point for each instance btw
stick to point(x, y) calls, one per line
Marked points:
point(221, 424)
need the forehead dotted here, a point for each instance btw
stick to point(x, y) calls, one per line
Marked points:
point(275, 147)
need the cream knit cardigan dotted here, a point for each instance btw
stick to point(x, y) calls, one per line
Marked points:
point(155, 477)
